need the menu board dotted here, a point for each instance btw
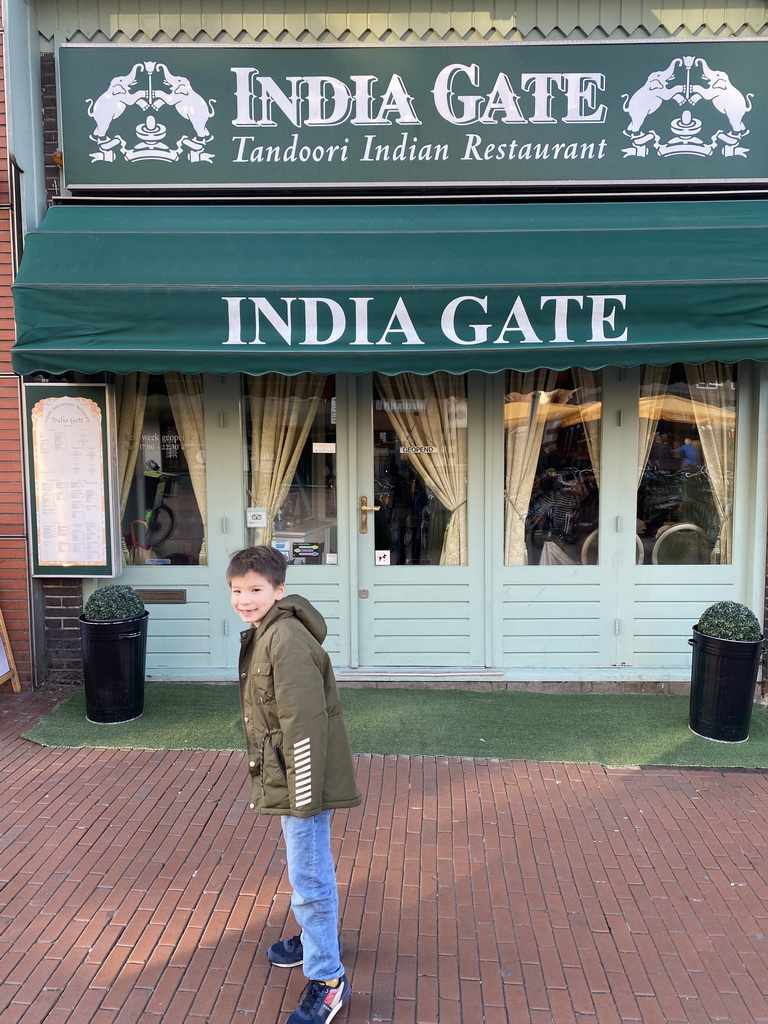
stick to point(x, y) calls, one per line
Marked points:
point(70, 449)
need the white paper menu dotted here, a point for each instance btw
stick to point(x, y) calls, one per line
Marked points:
point(67, 440)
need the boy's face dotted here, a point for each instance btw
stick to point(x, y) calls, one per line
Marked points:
point(252, 596)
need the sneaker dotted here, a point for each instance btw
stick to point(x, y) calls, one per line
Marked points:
point(289, 952)
point(286, 953)
point(320, 1003)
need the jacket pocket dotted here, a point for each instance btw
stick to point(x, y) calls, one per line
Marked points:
point(261, 677)
point(280, 760)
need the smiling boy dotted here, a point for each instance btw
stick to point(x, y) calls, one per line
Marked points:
point(300, 762)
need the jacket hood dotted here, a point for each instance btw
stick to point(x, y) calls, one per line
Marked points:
point(306, 613)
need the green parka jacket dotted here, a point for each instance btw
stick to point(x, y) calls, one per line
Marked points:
point(299, 755)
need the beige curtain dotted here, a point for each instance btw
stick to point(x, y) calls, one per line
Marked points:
point(588, 382)
point(130, 402)
point(653, 387)
point(282, 413)
point(432, 411)
point(526, 408)
point(185, 393)
point(714, 412)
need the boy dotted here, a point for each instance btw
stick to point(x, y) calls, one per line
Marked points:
point(300, 762)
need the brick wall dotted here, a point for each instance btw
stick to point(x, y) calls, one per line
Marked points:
point(14, 575)
point(62, 601)
point(50, 124)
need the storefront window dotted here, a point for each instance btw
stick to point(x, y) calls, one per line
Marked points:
point(552, 467)
point(291, 427)
point(686, 463)
point(161, 447)
point(420, 469)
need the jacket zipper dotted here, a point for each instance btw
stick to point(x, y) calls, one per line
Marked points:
point(264, 739)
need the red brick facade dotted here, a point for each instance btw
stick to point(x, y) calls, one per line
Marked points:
point(14, 575)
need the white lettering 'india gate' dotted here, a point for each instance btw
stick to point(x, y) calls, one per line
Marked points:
point(322, 100)
point(594, 315)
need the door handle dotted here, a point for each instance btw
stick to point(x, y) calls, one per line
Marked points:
point(365, 508)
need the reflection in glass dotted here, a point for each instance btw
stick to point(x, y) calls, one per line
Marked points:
point(686, 463)
point(420, 469)
point(161, 448)
point(552, 467)
point(291, 426)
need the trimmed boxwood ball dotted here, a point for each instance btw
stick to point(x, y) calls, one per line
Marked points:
point(112, 603)
point(729, 620)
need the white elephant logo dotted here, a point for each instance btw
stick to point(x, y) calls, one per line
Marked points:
point(724, 96)
point(686, 82)
point(187, 102)
point(114, 100)
point(144, 87)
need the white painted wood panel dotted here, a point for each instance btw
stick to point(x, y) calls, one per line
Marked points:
point(421, 624)
point(161, 626)
point(166, 648)
point(552, 626)
point(576, 626)
point(323, 594)
point(666, 612)
point(352, 21)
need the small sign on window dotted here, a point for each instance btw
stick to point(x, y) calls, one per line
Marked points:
point(284, 547)
point(255, 518)
point(313, 551)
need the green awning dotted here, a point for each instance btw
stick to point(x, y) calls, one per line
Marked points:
point(392, 288)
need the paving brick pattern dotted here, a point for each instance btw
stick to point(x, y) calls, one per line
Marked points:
point(135, 889)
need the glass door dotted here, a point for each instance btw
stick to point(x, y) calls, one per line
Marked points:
point(179, 463)
point(419, 496)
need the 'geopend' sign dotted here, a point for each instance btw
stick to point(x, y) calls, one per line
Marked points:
point(261, 117)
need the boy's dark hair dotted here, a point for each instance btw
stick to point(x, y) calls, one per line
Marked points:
point(266, 561)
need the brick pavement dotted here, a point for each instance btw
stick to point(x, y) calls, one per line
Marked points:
point(134, 890)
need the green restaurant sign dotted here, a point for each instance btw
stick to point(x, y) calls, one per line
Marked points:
point(285, 117)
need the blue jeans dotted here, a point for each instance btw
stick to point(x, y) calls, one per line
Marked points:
point(315, 898)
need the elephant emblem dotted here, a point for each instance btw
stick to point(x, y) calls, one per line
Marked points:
point(150, 87)
point(724, 96)
point(687, 81)
point(113, 101)
point(188, 103)
point(651, 95)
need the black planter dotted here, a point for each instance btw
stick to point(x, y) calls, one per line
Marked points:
point(114, 664)
point(723, 679)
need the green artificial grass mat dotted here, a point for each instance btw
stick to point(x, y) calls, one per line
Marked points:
point(608, 729)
